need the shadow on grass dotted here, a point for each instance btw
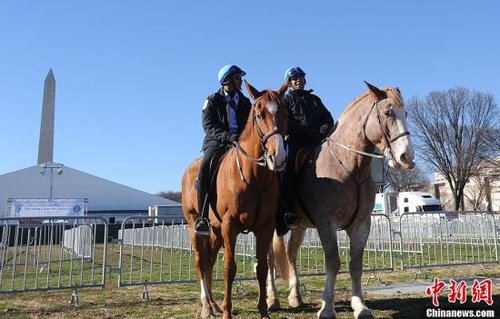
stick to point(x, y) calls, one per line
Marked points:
point(187, 306)
point(416, 307)
point(401, 308)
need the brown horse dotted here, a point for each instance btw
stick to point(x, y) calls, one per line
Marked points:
point(337, 192)
point(247, 198)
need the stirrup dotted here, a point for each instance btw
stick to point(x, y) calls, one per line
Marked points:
point(202, 227)
point(291, 221)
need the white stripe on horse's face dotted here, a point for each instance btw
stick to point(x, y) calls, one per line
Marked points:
point(402, 148)
point(280, 157)
point(272, 107)
point(277, 160)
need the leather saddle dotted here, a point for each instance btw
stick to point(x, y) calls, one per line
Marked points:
point(302, 159)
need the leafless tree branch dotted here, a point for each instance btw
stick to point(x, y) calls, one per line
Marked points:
point(452, 133)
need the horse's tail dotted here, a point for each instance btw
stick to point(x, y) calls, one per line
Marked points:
point(280, 258)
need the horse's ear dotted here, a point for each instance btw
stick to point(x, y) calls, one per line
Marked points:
point(376, 92)
point(254, 93)
point(283, 87)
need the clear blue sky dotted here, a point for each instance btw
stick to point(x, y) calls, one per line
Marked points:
point(132, 76)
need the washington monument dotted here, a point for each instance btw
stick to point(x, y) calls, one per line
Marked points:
point(46, 144)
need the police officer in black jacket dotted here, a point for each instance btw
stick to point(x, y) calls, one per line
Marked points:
point(224, 116)
point(309, 122)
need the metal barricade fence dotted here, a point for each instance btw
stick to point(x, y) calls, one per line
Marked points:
point(152, 252)
point(424, 240)
point(45, 253)
point(62, 252)
point(162, 252)
point(379, 247)
point(79, 241)
point(378, 252)
point(432, 239)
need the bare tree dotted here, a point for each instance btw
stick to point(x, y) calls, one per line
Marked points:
point(493, 140)
point(451, 131)
point(478, 191)
point(407, 180)
point(175, 196)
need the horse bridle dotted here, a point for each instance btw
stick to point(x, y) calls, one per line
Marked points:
point(388, 140)
point(262, 160)
point(387, 151)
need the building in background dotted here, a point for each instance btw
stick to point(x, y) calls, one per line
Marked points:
point(481, 192)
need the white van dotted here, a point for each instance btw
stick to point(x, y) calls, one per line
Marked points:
point(395, 204)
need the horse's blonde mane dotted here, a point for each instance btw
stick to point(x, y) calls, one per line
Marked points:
point(392, 93)
point(395, 95)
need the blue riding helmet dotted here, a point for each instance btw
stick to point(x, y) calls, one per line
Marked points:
point(228, 70)
point(293, 72)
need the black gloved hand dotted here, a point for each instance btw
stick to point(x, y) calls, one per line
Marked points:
point(233, 138)
point(324, 129)
point(315, 135)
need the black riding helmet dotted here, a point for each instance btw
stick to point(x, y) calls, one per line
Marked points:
point(294, 72)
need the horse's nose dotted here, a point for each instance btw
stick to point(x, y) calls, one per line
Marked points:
point(408, 160)
point(275, 164)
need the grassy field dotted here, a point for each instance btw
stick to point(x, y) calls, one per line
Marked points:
point(166, 264)
point(182, 300)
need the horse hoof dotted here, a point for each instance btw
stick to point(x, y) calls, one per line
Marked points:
point(273, 305)
point(364, 314)
point(295, 302)
point(322, 315)
point(216, 310)
point(264, 316)
point(205, 313)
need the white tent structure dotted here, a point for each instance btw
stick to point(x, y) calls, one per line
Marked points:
point(104, 197)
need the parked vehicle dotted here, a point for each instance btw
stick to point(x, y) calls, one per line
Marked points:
point(394, 204)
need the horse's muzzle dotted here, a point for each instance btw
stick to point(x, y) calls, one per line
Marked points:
point(273, 166)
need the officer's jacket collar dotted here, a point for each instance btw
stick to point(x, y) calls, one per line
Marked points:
point(299, 92)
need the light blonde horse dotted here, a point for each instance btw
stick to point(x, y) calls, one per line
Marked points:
point(247, 198)
point(337, 192)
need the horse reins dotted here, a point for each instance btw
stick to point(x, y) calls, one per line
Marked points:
point(356, 182)
point(260, 161)
point(387, 153)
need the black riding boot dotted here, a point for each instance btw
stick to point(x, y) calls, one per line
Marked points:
point(202, 226)
point(285, 218)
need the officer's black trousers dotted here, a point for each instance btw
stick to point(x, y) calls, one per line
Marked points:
point(204, 179)
point(288, 181)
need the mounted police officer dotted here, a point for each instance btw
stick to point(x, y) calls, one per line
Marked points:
point(224, 117)
point(309, 122)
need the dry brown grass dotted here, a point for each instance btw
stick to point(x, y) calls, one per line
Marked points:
point(182, 300)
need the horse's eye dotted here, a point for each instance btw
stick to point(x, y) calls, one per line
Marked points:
point(259, 116)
